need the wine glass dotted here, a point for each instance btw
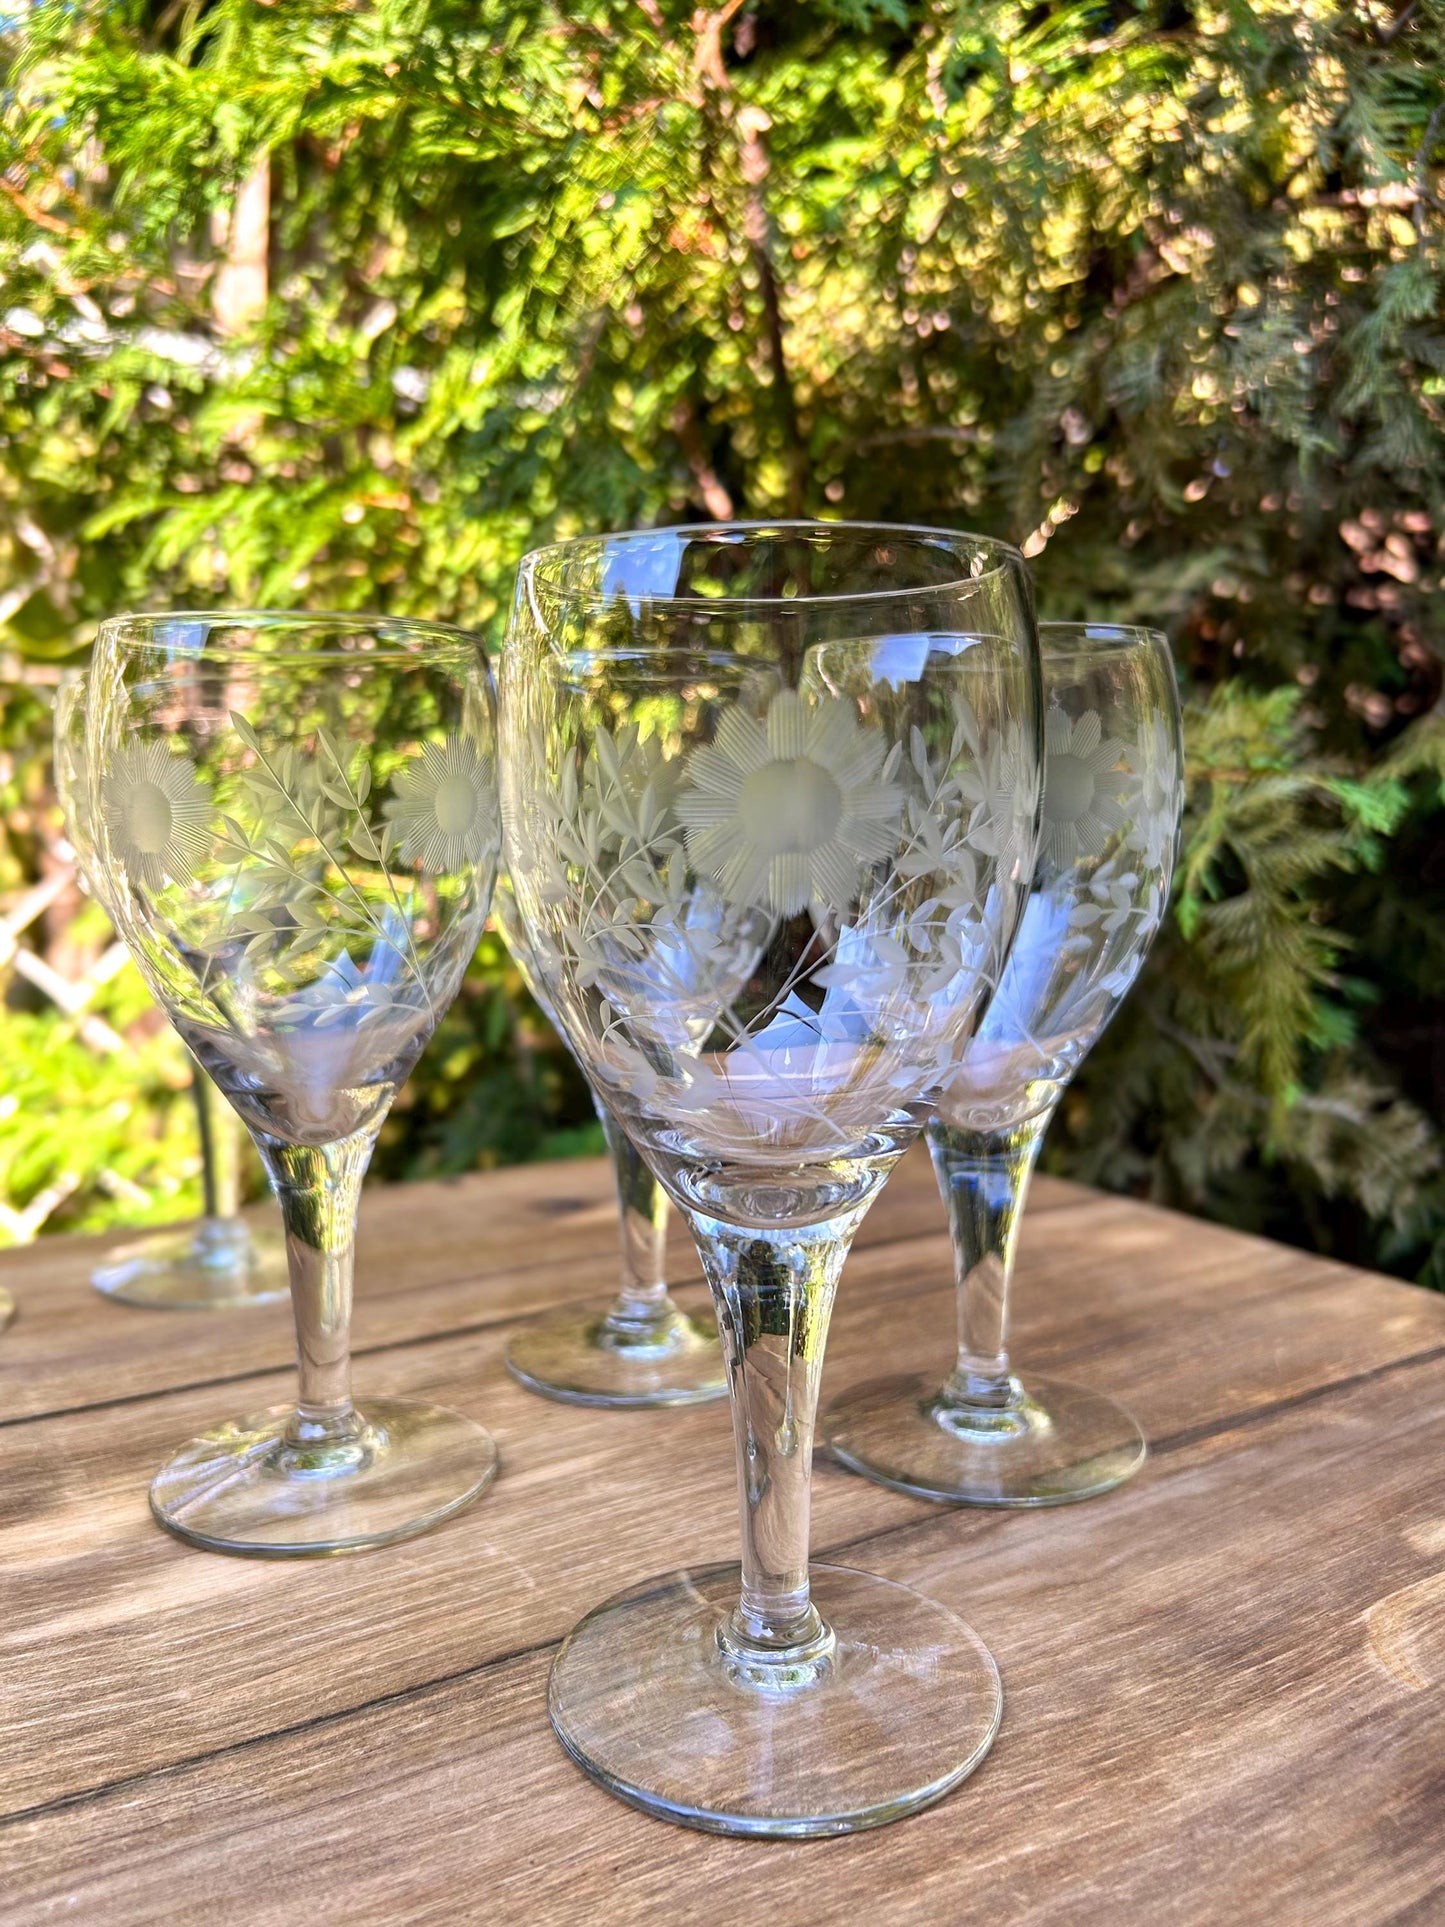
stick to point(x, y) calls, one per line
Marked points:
point(1112, 796)
point(295, 820)
point(221, 1261)
point(643, 1349)
point(766, 880)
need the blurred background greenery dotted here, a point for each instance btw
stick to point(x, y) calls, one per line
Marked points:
point(344, 303)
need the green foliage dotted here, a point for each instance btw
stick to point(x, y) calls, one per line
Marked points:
point(104, 1133)
point(1154, 286)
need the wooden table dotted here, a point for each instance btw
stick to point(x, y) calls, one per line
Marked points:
point(1224, 1684)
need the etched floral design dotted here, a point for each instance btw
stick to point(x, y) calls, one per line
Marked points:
point(314, 867)
point(1000, 787)
point(1158, 795)
point(662, 880)
point(286, 792)
point(305, 962)
point(1109, 816)
point(1079, 807)
point(788, 811)
point(157, 813)
point(441, 806)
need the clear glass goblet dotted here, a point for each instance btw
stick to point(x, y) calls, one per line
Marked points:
point(222, 1261)
point(766, 882)
point(295, 820)
point(1112, 796)
point(643, 1349)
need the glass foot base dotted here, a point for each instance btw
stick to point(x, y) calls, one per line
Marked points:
point(245, 1488)
point(906, 1706)
point(583, 1359)
point(7, 1308)
point(1057, 1443)
point(219, 1263)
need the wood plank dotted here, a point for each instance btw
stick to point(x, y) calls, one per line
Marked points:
point(121, 1650)
point(450, 1256)
point(1198, 1728)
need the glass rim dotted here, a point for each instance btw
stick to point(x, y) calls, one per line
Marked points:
point(668, 664)
point(457, 642)
point(1108, 634)
point(531, 570)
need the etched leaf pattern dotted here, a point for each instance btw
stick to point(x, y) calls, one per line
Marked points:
point(1109, 814)
point(303, 861)
point(667, 878)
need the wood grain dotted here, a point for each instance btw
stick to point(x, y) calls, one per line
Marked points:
point(1195, 1730)
point(1225, 1684)
point(458, 1255)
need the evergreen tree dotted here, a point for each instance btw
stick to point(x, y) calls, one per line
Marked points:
point(344, 304)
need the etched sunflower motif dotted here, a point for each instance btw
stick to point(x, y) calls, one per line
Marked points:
point(441, 806)
point(787, 811)
point(1000, 786)
point(157, 813)
point(1078, 808)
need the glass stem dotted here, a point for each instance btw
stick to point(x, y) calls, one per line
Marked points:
point(222, 1239)
point(202, 1093)
point(642, 1310)
point(984, 1177)
point(319, 1189)
point(228, 1138)
point(773, 1290)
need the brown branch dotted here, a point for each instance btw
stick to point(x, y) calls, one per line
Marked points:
point(937, 432)
point(33, 213)
point(1422, 179)
point(238, 294)
point(759, 233)
point(715, 498)
point(707, 62)
point(591, 342)
point(168, 19)
point(1386, 36)
point(749, 124)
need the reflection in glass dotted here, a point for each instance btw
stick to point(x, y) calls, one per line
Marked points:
point(222, 1261)
point(1112, 795)
point(766, 879)
point(295, 823)
point(642, 1349)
